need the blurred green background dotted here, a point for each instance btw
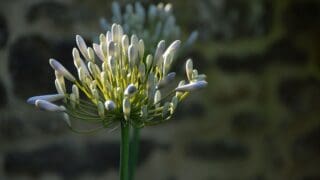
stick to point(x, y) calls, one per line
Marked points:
point(258, 119)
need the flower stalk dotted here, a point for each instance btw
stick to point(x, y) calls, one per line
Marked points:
point(124, 151)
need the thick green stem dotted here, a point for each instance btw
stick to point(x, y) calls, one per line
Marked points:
point(124, 152)
point(134, 152)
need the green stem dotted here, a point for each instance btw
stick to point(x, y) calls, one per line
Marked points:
point(134, 152)
point(124, 152)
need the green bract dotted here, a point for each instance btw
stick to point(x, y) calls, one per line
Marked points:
point(118, 82)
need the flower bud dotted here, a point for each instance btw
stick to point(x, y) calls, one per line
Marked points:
point(149, 62)
point(102, 38)
point(134, 40)
point(61, 69)
point(49, 97)
point(112, 64)
point(132, 53)
point(101, 109)
point(157, 97)
point(59, 87)
point(108, 37)
point(168, 58)
point(94, 69)
point(158, 59)
point(111, 49)
point(109, 105)
point(91, 55)
point(173, 48)
point(82, 46)
point(98, 51)
point(192, 86)
point(125, 44)
point(166, 80)
point(130, 90)
point(126, 108)
point(75, 91)
point(141, 48)
point(189, 69)
point(76, 57)
point(48, 106)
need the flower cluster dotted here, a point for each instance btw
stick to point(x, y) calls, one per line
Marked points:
point(152, 24)
point(118, 82)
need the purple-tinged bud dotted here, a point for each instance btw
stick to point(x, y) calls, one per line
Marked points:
point(48, 106)
point(61, 70)
point(192, 86)
point(48, 97)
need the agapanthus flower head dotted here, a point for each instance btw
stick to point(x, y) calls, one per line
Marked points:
point(153, 23)
point(118, 83)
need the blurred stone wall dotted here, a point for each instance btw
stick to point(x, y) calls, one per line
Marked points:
point(258, 119)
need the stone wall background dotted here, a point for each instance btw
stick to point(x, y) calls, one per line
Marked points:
point(258, 119)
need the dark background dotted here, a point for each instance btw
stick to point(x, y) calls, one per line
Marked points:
point(258, 119)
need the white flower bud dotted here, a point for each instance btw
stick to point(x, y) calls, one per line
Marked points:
point(173, 48)
point(82, 46)
point(130, 90)
point(134, 40)
point(125, 44)
point(168, 58)
point(109, 105)
point(194, 74)
point(192, 86)
point(76, 57)
point(132, 53)
point(90, 54)
point(157, 97)
point(149, 61)
point(94, 69)
point(141, 48)
point(59, 87)
point(111, 49)
point(112, 64)
point(126, 108)
point(189, 69)
point(101, 109)
point(158, 59)
point(48, 97)
point(102, 38)
point(168, 8)
point(61, 70)
point(48, 106)
point(75, 91)
point(98, 51)
point(108, 37)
